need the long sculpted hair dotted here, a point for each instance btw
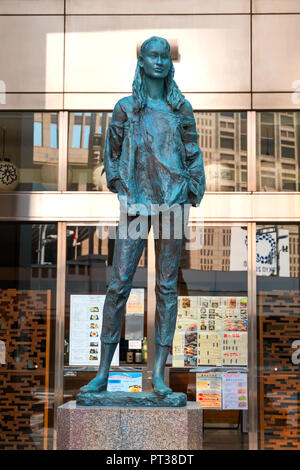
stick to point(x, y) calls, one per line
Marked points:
point(173, 95)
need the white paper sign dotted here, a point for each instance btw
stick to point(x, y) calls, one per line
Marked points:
point(234, 391)
point(86, 313)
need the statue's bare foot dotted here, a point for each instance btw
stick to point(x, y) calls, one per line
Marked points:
point(98, 384)
point(160, 387)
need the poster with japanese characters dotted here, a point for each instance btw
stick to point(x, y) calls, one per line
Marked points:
point(234, 391)
point(209, 349)
point(86, 313)
point(209, 389)
point(235, 348)
point(214, 331)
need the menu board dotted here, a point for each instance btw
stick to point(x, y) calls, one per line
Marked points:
point(86, 313)
point(213, 332)
point(209, 389)
point(234, 391)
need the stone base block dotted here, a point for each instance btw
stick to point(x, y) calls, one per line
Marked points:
point(130, 399)
point(115, 428)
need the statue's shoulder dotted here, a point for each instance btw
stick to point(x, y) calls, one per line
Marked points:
point(126, 104)
point(186, 109)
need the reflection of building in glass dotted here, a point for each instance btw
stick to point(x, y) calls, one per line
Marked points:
point(215, 250)
point(278, 151)
point(45, 138)
point(96, 241)
point(85, 150)
point(223, 141)
point(32, 145)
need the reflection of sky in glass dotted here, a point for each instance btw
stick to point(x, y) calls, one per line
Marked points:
point(86, 136)
point(76, 136)
point(37, 134)
point(53, 135)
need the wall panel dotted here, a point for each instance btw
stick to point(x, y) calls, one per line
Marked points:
point(214, 51)
point(155, 6)
point(275, 6)
point(30, 7)
point(31, 59)
point(275, 39)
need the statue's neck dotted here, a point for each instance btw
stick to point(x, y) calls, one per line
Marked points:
point(154, 88)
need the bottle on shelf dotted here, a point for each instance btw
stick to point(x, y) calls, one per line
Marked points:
point(129, 356)
point(144, 350)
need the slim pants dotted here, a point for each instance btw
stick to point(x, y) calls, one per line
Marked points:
point(127, 253)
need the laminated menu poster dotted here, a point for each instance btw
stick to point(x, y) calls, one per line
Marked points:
point(210, 349)
point(86, 312)
point(125, 382)
point(234, 391)
point(214, 331)
point(210, 316)
point(235, 348)
point(209, 389)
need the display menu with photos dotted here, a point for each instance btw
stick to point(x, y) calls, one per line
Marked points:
point(211, 331)
point(86, 312)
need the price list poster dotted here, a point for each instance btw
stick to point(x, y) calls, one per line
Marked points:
point(86, 313)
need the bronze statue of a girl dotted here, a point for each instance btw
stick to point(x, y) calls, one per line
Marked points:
point(153, 162)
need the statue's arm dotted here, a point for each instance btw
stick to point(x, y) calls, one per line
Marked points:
point(194, 157)
point(113, 147)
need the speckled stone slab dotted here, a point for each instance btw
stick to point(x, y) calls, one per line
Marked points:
point(129, 428)
point(131, 399)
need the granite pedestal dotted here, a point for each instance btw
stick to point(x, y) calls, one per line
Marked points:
point(129, 428)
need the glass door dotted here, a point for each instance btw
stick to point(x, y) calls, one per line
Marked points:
point(210, 348)
point(89, 255)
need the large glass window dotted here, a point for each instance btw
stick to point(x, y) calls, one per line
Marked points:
point(28, 151)
point(277, 150)
point(210, 353)
point(222, 139)
point(27, 334)
point(88, 270)
point(278, 317)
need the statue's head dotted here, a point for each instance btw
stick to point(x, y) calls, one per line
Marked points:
point(155, 61)
point(155, 58)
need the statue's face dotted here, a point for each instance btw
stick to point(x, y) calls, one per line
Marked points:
point(156, 60)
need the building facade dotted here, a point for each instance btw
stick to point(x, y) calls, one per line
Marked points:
point(63, 67)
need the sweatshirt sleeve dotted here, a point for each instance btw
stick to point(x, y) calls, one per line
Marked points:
point(194, 157)
point(113, 146)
